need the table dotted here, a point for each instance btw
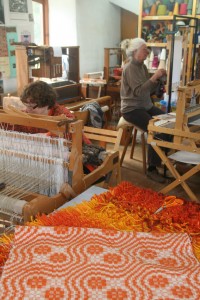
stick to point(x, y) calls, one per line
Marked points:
point(85, 196)
point(93, 82)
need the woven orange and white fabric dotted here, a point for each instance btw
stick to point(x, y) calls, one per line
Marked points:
point(85, 263)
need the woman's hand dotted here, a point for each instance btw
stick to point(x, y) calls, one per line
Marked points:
point(158, 74)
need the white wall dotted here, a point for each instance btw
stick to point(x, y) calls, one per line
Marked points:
point(62, 23)
point(91, 24)
point(24, 26)
point(130, 5)
point(98, 27)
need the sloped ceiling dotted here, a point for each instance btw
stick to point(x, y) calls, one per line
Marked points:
point(130, 5)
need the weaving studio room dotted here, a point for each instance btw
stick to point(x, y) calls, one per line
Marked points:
point(100, 149)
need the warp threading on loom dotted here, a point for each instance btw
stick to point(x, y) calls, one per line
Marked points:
point(30, 164)
point(192, 109)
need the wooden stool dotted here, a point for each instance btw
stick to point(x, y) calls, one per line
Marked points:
point(132, 130)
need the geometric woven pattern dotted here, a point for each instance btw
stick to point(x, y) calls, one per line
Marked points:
point(86, 263)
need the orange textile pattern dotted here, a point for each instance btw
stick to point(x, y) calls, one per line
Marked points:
point(124, 207)
point(86, 263)
point(128, 207)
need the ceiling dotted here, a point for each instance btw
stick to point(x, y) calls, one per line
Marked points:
point(132, 6)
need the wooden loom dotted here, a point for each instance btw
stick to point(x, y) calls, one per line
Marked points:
point(77, 182)
point(185, 132)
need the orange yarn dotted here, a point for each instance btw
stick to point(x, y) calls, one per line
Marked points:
point(124, 207)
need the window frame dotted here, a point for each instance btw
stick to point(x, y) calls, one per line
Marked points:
point(45, 5)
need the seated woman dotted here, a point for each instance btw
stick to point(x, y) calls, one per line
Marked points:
point(136, 103)
point(40, 98)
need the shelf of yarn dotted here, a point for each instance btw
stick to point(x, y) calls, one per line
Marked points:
point(160, 13)
point(155, 32)
point(165, 9)
point(156, 18)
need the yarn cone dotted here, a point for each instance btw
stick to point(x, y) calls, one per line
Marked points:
point(155, 62)
point(176, 9)
point(151, 59)
point(153, 10)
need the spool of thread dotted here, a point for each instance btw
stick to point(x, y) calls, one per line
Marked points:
point(153, 10)
point(162, 10)
point(183, 9)
point(189, 12)
point(176, 9)
point(155, 62)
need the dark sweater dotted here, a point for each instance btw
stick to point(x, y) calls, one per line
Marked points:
point(136, 87)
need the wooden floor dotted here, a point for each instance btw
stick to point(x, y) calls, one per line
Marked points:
point(132, 171)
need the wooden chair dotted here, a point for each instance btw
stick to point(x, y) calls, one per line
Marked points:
point(82, 115)
point(131, 131)
point(106, 136)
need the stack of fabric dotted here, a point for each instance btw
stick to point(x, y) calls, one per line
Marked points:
point(111, 247)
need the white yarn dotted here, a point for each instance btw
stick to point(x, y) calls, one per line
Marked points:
point(35, 144)
point(34, 163)
point(9, 205)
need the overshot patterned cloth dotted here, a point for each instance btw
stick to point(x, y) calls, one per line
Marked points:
point(86, 263)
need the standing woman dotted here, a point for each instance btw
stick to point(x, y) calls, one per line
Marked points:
point(136, 103)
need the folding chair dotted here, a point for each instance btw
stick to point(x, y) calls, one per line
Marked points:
point(184, 157)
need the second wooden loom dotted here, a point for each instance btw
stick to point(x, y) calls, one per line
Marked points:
point(77, 181)
point(185, 137)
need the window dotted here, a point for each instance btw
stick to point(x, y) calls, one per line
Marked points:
point(41, 22)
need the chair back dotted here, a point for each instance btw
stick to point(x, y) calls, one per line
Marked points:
point(82, 115)
point(104, 136)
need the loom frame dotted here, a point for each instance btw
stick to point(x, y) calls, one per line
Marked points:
point(77, 180)
point(185, 137)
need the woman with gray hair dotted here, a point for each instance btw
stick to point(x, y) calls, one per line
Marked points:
point(136, 103)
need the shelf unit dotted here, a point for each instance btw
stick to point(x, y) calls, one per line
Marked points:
point(145, 20)
point(39, 62)
point(112, 60)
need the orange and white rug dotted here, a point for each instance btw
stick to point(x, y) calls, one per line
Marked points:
point(86, 263)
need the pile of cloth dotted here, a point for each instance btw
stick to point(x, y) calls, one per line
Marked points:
point(113, 246)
